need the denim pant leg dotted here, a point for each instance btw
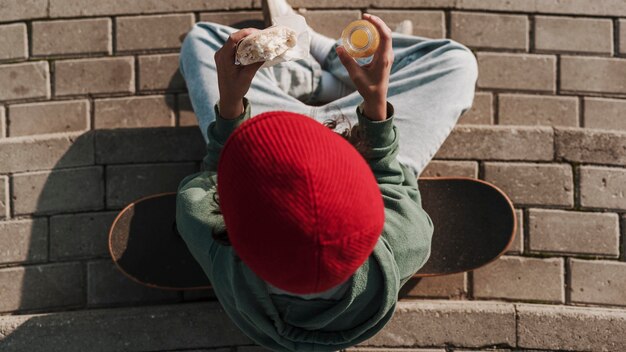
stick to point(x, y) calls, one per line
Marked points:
point(432, 83)
point(285, 86)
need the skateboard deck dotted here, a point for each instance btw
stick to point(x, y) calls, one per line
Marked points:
point(474, 224)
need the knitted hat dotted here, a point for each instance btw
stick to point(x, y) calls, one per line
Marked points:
point(301, 206)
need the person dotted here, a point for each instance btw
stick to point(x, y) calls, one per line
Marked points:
point(307, 235)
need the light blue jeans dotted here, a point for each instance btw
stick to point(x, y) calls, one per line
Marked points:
point(431, 84)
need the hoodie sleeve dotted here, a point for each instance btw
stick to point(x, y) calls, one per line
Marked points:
point(197, 212)
point(408, 228)
point(218, 132)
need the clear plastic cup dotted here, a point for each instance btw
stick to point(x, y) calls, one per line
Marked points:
point(360, 38)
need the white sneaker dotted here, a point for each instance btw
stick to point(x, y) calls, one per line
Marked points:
point(404, 27)
point(275, 8)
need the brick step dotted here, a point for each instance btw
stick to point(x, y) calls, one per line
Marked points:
point(428, 325)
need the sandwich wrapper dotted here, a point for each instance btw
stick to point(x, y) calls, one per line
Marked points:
point(301, 50)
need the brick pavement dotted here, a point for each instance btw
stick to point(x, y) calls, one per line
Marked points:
point(91, 102)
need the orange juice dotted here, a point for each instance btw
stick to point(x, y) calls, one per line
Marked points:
point(360, 38)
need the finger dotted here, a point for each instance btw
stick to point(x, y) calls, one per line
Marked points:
point(384, 32)
point(235, 37)
point(347, 61)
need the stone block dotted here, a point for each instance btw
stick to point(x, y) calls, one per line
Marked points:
point(49, 117)
point(598, 282)
point(152, 32)
point(483, 30)
point(452, 286)
point(235, 19)
point(84, 235)
point(604, 113)
point(525, 72)
point(157, 144)
point(67, 37)
point(570, 328)
point(160, 72)
point(95, 76)
point(330, 22)
point(458, 323)
point(526, 109)
point(73, 8)
point(444, 168)
point(602, 187)
point(593, 74)
point(133, 112)
point(533, 184)
point(498, 143)
point(573, 34)
point(25, 80)
point(108, 285)
point(521, 278)
point(429, 24)
point(58, 191)
point(43, 286)
point(186, 117)
point(590, 146)
point(13, 41)
point(24, 241)
point(14, 10)
point(573, 232)
point(127, 183)
point(146, 328)
point(45, 152)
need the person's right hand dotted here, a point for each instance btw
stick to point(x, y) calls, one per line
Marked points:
point(233, 80)
point(372, 79)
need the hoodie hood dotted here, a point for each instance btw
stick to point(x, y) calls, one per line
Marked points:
point(289, 323)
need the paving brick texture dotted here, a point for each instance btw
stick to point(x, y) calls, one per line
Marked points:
point(94, 114)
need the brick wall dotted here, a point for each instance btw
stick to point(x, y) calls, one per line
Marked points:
point(93, 114)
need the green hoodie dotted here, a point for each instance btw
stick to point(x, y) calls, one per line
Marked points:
point(283, 322)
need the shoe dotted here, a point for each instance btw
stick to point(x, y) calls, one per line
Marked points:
point(275, 8)
point(404, 27)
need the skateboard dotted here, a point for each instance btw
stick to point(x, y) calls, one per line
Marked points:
point(474, 224)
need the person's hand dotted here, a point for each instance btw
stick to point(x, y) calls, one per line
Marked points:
point(372, 79)
point(233, 80)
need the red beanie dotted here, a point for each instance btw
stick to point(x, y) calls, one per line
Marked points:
point(301, 206)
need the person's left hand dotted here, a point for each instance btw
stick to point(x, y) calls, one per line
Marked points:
point(233, 80)
point(372, 79)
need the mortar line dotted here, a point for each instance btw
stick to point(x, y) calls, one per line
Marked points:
point(567, 280)
point(10, 212)
point(581, 108)
point(616, 38)
point(6, 121)
point(387, 8)
point(525, 232)
point(516, 325)
point(447, 16)
point(621, 227)
point(29, 38)
point(531, 33)
point(495, 104)
point(113, 35)
point(470, 285)
point(176, 108)
point(576, 185)
point(558, 75)
point(48, 222)
point(92, 119)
